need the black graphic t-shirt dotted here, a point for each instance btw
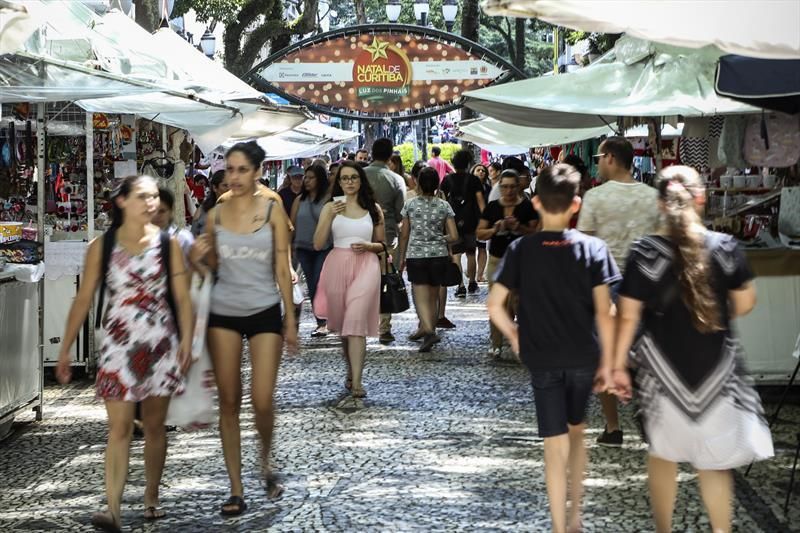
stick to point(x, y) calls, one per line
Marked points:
point(554, 274)
point(650, 277)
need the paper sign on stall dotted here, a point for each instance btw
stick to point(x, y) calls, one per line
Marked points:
point(125, 168)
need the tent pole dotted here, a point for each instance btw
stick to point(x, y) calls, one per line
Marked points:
point(41, 169)
point(90, 199)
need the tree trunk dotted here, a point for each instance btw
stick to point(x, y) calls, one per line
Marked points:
point(147, 15)
point(470, 29)
point(361, 12)
point(519, 43)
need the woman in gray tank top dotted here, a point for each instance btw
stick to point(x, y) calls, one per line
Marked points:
point(247, 244)
point(305, 216)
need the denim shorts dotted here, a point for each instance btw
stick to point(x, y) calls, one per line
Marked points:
point(561, 397)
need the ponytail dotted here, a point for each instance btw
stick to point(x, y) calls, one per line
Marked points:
point(678, 186)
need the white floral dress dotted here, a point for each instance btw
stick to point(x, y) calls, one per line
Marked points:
point(139, 354)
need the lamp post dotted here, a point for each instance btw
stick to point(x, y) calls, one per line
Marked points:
point(450, 12)
point(393, 9)
point(421, 10)
point(208, 44)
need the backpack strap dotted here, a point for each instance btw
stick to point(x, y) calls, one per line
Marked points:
point(166, 253)
point(109, 240)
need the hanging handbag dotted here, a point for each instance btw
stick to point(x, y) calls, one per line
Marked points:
point(394, 298)
point(452, 275)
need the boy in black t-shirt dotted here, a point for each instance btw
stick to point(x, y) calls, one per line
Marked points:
point(562, 280)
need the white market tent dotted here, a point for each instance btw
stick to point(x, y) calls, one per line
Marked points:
point(768, 29)
point(128, 70)
point(636, 79)
point(506, 139)
point(306, 140)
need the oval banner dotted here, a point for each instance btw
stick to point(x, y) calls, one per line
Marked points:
point(381, 72)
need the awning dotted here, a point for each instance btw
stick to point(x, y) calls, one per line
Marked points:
point(510, 139)
point(768, 29)
point(16, 26)
point(769, 83)
point(636, 79)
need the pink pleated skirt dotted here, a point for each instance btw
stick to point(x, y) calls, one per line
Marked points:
point(348, 294)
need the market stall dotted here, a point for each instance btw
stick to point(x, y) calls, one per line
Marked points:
point(748, 158)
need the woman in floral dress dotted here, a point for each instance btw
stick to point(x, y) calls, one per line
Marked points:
point(143, 356)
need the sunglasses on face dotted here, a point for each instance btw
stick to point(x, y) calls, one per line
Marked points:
point(598, 157)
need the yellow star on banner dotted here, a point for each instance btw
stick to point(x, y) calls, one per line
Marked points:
point(377, 49)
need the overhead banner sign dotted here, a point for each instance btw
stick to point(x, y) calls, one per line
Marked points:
point(381, 72)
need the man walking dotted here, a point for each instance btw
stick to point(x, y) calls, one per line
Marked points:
point(390, 193)
point(442, 167)
point(619, 212)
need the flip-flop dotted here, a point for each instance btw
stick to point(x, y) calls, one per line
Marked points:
point(154, 513)
point(273, 488)
point(358, 393)
point(105, 522)
point(238, 501)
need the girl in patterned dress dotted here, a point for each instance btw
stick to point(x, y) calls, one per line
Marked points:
point(142, 356)
point(687, 284)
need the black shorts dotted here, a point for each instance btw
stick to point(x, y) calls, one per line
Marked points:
point(427, 271)
point(561, 397)
point(266, 321)
point(466, 244)
point(480, 245)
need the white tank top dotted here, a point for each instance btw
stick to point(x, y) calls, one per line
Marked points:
point(347, 231)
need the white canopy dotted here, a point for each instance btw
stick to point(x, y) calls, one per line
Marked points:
point(506, 139)
point(115, 66)
point(767, 29)
point(638, 79)
point(306, 140)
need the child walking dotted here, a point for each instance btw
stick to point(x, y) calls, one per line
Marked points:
point(562, 279)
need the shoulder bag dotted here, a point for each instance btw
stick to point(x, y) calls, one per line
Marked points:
point(394, 297)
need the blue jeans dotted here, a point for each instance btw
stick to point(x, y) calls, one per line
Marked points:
point(311, 262)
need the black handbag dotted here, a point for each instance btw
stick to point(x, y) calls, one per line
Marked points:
point(452, 274)
point(394, 297)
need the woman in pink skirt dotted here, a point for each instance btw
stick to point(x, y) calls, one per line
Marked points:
point(349, 286)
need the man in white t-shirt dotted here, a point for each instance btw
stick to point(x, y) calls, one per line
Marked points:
point(619, 212)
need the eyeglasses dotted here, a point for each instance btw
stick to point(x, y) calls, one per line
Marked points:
point(349, 179)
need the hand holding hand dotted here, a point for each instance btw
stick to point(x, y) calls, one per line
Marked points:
point(200, 249)
point(621, 383)
point(602, 379)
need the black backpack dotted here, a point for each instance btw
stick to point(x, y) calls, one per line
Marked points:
point(109, 240)
point(464, 207)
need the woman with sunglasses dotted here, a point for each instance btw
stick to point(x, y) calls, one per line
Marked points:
point(305, 215)
point(502, 222)
point(145, 349)
point(351, 275)
point(482, 173)
point(247, 244)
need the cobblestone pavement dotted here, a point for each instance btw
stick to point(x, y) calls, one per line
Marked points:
point(445, 441)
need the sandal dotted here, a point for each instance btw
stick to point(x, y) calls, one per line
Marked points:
point(237, 501)
point(273, 488)
point(359, 393)
point(105, 522)
point(154, 513)
point(321, 331)
point(417, 335)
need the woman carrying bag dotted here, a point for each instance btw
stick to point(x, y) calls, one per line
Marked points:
point(687, 284)
point(424, 253)
point(350, 281)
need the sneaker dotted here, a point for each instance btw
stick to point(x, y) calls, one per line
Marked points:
point(445, 323)
point(428, 343)
point(495, 353)
point(386, 338)
point(473, 287)
point(461, 292)
point(611, 439)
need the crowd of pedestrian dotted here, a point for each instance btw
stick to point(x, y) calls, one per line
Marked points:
point(639, 284)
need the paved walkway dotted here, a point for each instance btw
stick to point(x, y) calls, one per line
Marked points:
point(444, 442)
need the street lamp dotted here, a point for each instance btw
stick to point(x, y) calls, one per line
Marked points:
point(208, 43)
point(393, 9)
point(421, 10)
point(450, 12)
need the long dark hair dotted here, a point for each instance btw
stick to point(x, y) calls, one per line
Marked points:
point(123, 189)
point(322, 183)
point(678, 186)
point(211, 198)
point(365, 197)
